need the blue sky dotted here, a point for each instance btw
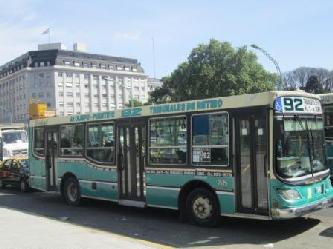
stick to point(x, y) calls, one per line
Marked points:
point(296, 33)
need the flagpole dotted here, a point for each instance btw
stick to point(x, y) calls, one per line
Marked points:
point(49, 35)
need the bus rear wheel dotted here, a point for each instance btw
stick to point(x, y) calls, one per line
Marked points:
point(72, 192)
point(202, 208)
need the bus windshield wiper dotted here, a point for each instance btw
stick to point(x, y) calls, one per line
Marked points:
point(308, 139)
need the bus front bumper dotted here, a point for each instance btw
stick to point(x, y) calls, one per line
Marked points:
point(288, 213)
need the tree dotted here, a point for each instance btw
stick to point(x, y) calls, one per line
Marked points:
point(299, 77)
point(215, 69)
point(135, 102)
point(313, 85)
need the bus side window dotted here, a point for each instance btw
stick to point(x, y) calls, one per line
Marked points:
point(38, 141)
point(100, 143)
point(71, 139)
point(167, 140)
point(210, 139)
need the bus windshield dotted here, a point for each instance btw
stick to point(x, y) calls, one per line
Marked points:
point(11, 137)
point(300, 146)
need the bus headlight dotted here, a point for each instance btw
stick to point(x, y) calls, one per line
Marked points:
point(289, 194)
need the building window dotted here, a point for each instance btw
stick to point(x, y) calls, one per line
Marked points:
point(78, 95)
point(69, 104)
point(69, 75)
point(69, 94)
point(61, 94)
point(60, 74)
point(100, 143)
point(167, 141)
point(39, 141)
point(210, 139)
point(71, 139)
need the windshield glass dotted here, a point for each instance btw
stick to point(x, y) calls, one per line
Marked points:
point(300, 146)
point(11, 137)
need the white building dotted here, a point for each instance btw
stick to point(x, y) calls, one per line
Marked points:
point(71, 82)
point(154, 83)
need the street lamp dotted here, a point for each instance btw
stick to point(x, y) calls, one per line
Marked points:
point(280, 81)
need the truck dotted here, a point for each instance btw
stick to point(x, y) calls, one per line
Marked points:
point(13, 141)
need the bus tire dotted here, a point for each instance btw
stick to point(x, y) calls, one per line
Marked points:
point(24, 185)
point(72, 192)
point(202, 208)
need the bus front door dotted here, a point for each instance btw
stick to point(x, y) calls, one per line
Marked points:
point(251, 161)
point(131, 160)
point(50, 156)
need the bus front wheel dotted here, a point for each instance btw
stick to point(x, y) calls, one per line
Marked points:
point(72, 192)
point(202, 208)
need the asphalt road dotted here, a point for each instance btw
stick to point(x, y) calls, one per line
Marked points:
point(43, 220)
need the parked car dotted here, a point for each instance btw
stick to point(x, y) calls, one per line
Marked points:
point(15, 172)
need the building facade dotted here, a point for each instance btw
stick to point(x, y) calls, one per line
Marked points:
point(70, 82)
point(153, 84)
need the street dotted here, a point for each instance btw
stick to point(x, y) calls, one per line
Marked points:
point(43, 220)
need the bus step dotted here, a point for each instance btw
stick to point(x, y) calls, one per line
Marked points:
point(132, 203)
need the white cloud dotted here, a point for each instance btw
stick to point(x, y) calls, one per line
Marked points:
point(18, 30)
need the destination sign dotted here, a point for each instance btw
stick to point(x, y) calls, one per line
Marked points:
point(195, 105)
point(297, 105)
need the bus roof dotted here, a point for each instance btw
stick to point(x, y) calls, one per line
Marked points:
point(326, 98)
point(220, 103)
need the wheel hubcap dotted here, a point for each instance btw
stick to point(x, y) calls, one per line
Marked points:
point(72, 192)
point(202, 207)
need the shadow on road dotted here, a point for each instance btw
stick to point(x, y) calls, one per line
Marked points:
point(327, 232)
point(155, 225)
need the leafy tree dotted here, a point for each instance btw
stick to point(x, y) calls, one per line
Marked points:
point(313, 85)
point(161, 94)
point(215, 69)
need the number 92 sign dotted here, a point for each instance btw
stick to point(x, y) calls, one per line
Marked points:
point(297, 105)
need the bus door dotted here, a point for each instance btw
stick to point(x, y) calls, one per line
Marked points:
point(251, 160)
point(131, 136)
point(50, 156)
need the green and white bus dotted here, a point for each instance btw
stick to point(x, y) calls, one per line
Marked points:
point(256, 155)
point(327, 104)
